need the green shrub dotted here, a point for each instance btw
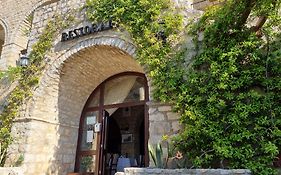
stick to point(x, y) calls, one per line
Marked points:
point(230, 101)
point(229, 98)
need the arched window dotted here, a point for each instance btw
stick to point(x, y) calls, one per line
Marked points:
point(2, 38)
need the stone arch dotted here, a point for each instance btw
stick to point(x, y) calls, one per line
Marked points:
point(63, 91)
point(113, 41)
point(19, 36)
point(16, 39)
point(115, 45)
point(4, 26)
point(3, 35)
point(54, 70)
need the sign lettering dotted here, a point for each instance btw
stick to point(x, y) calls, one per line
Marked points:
point(86, 30)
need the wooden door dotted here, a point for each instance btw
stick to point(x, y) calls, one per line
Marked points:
point(87, 159)
point(91, 148)
point(103, 143)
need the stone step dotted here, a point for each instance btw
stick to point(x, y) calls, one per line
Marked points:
point(120, 173)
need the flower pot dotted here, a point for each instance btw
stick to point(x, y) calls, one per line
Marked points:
point(171, 163)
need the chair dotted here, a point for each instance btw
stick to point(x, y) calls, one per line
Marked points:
point(141, 161)
point(113, 160)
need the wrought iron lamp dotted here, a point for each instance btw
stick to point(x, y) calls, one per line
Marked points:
point(24, 60)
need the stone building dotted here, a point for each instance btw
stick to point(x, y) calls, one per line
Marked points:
point(94, 99)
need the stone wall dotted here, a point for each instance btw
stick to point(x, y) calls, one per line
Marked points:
point(162, 121)
point(155, 171)
point(13, 16)
point(6, 86)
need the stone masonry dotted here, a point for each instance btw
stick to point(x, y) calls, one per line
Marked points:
point(162, 121)
point(48, 139)
point(14, 14)
point(155, 171)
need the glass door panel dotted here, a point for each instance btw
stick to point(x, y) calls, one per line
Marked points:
point(89, 136)
point(124, 89)
point(88, 164)
point(88, 148)
point(95, 99)
point(137, 92)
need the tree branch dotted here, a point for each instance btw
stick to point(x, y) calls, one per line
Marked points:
point(259, 24)
point(261, 21)
point(245, 14)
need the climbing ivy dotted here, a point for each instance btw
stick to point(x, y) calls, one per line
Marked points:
point(154, 27)
point(229, 96)
point(230, 101)
point(27, 79)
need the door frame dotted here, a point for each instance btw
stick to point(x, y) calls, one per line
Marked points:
point(100, 108)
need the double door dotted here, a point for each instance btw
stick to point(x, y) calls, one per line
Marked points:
point(92, 148)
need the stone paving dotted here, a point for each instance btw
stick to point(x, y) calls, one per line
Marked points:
point(156, 171)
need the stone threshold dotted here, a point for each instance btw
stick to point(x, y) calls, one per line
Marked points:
point(157, 171)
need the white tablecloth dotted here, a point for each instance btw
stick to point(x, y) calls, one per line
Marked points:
point(123, 163)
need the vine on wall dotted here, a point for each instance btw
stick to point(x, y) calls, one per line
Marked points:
point(230, 102)
point(27, 79)
point(153, 25)
point(229, 98)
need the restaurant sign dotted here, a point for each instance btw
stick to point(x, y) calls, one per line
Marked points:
point(86, 30)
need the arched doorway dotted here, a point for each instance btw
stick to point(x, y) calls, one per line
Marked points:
point(2, 38)
point(111, 125)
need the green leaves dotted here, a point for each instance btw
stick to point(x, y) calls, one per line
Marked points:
point(11, 74)
point(145, 20)
point(230, 102)
point(156, 153)
point(229, 98)
point(270, 148)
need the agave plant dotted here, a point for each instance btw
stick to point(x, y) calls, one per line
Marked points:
point(156, 154)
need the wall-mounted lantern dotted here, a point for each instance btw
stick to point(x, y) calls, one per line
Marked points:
point(23, 60)
point(161, 34)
